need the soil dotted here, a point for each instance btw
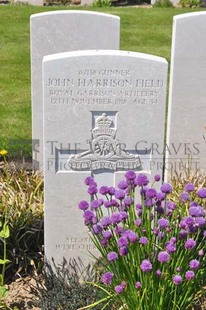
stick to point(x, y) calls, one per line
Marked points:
point(20, 294)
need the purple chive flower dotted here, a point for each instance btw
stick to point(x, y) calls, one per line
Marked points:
point(97, 228)
point(122, 241)
point(107, 234)
point(151, 193)
point(193, 204)
point(107, 278)
point(114, 203)
point(158, 273)
point(131, 235)
point(182, 224)
point(149, 202)
point(194, 264)
point(189, 275)
point(190, 244)
point(160, 196)
point(141, 180)
point(88, 215)
point(157, 177)
point(105, 221)
point(178, 269)
point(139, 213)
point(146, 265)
point(171, 205)
point(104, 190)
point(163, 257)
point(138, 222)
point(204, 233)
point(166, 188)
point(184, 196)
point(183, 234)
point(112, 256)
point(161, 235)
point(83, 205)
point(123, 251)
point(95, 204)
point(202, 192)
point(120, 288)
point(200, 221)
point(108, 204)
point(111, 191)
point(119, 194)
point(116, 218)
point(177, 279)
point(92, 190)
point(130, 175)
point(138, 285)
point(201, 252)
point(160, 209)
point(138, 206)
point(128, 201)
point(104, 242)
point(189, 220)
point(90, 181)
point(156, 231)
point(118, 230)
point(173, 240)
point(170, 247)
point(143, 240)
point(123, 215)
point(189, 187)
point(163, 223)
point(194, 211)
point(122, 185)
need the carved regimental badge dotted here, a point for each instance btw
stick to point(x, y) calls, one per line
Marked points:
point(105, 151)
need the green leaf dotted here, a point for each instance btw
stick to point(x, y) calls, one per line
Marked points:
point(1, 280)
point(3, 291)
point(5, 233)
point(4, 261)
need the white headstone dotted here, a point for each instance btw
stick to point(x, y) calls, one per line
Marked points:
point(36, 2)
point(62, 31)
point(186, 136)
point(103, 111)
point(87, 2)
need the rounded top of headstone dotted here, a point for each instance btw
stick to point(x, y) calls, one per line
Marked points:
point(73, 12)
point(110, 53)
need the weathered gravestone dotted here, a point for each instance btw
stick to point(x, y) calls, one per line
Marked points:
point(62, 31)
point(105, 109)
point(36, 2)
point(186, 136)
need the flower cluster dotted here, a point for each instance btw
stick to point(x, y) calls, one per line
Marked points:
point(149, 241)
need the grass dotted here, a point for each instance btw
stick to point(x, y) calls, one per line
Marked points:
point(142, 30)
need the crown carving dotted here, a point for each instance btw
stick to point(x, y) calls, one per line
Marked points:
point(103, 121)
point(103, 124)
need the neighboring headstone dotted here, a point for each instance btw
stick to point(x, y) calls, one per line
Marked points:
point(62, 31)
point(87, 2)
point(21, 1)
point(104, 114)
point(174, 2)
point(36, 2)
point(186, 135)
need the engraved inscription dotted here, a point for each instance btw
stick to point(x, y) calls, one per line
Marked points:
point(104, 87)
point(76, 244)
